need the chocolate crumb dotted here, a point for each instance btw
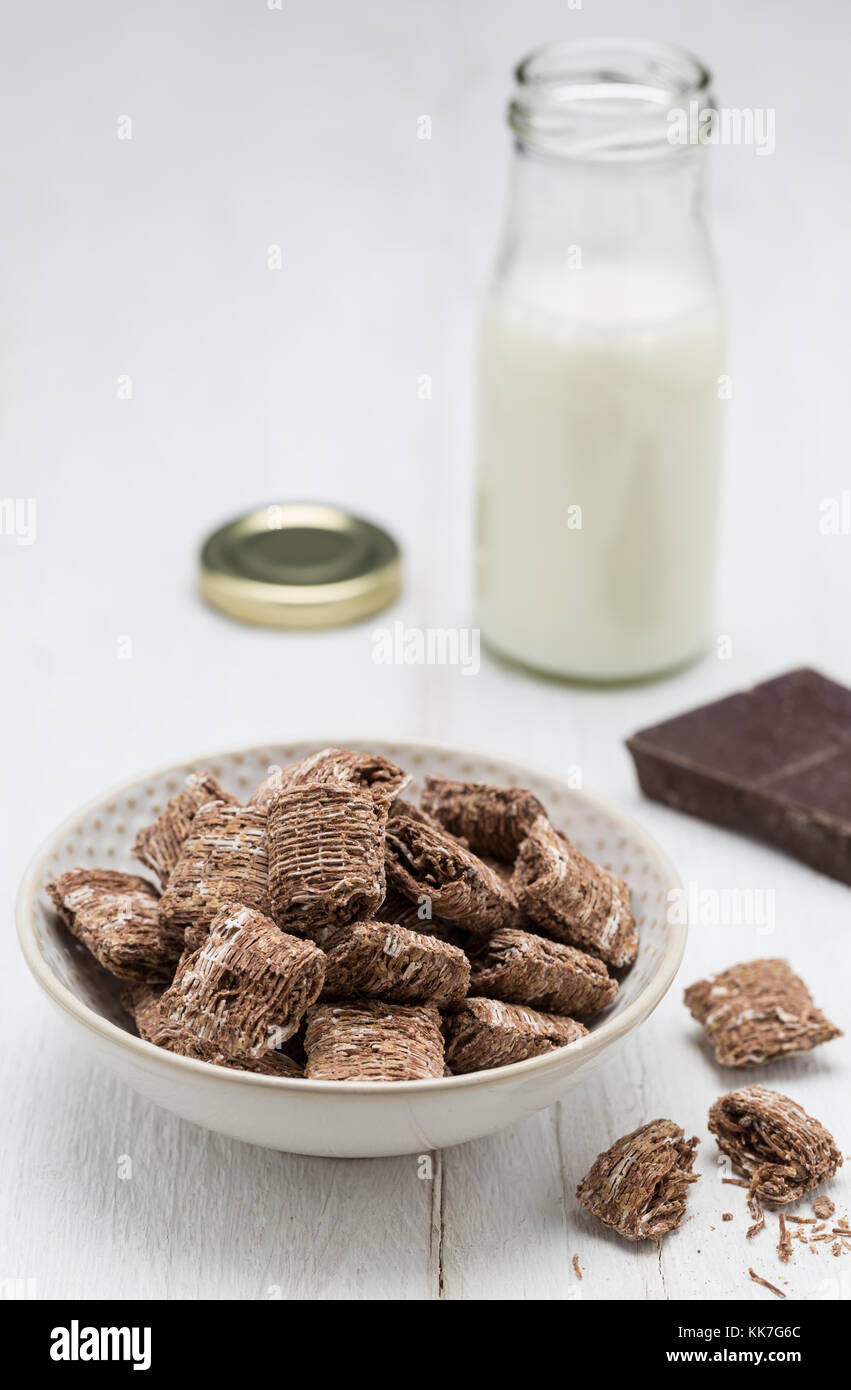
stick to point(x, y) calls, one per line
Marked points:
point(758, 1216)
point(758, 1279)
point(784, 1245)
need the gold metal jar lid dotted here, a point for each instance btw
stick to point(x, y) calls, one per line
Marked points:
point(300, 565)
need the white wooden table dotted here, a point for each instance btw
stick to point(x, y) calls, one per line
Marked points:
point(147, 258)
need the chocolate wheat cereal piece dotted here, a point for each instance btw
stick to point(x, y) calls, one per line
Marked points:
point(154, 1029)
point(116, 917)
point(384, 961)
point(373, 1041)
point(522, 968)
point(222, 861)
point(246, 988)
point(427, 864)
point(159, 844)
point(757, 1011)
point(326, 856)
point(781, 1149)
point(366, 771)
point(572, 899)
point(493, 820)
point(485, 1033)
point(639, 1186)
point(142, 1002)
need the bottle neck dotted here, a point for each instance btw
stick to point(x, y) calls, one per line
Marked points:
point(649, 211)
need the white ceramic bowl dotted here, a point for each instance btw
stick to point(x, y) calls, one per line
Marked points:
point(341, 1119)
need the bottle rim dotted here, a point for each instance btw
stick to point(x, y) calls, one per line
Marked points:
point(608, 98)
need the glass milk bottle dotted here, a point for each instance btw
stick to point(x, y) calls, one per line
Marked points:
point(601, 350)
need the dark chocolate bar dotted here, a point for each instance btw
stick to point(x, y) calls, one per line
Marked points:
point(773, 762)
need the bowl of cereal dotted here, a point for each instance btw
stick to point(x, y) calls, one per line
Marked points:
point(365, 949)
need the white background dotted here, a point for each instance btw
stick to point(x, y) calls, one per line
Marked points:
point(147, 257)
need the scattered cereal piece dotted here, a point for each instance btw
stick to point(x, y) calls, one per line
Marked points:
point(782, 1149)
point(373, 1041)
point(824, 1207)
point(639, 1186)
point(757, 1214)
point(493, 820)
point(366, 771)
point(482, 1033)
point(784, 1245)
point(326, 856)
point(223, 860)
point(758, 1279)
point(383, 961)
point(577, 1271)
point(726, 1216)
point(525, 969)
point(159, 845)
point(425, 863)
point(572, 899)
point(246, 989)
point(758, 1011)
point(116, 917)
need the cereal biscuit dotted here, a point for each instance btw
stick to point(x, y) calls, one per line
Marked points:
point(521, 968)
point(758, 1011)
point(222, 861)
point(572, 899)
point(383, 961)
point(246, 988)
point(485, 1033)
point(639, 1186)
point(373, 1041)
point(426, 863)
point(158, 846)
point(493, 820)
point(116, 917)
point(366, 771)
point(774, 1142)
point(326, 856)
point(142, 1003)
